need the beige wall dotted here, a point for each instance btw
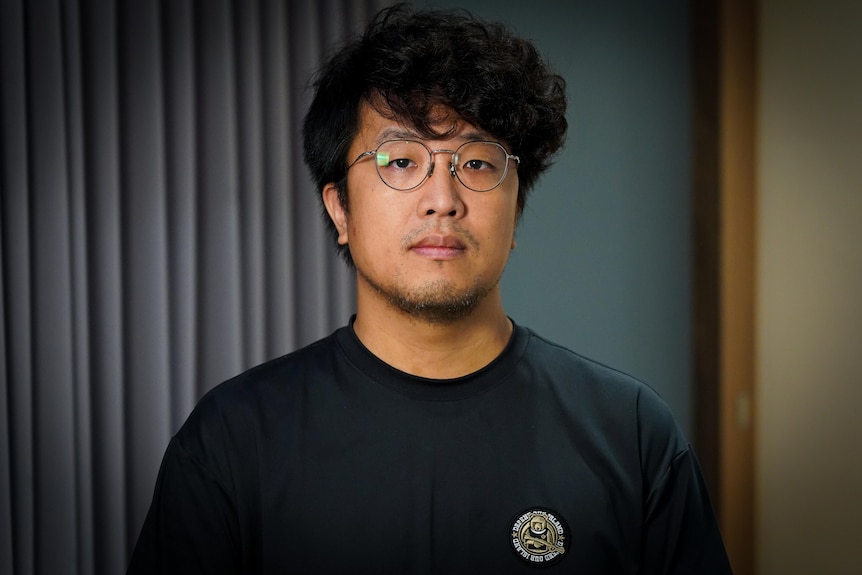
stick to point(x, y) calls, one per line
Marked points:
point(809, 484)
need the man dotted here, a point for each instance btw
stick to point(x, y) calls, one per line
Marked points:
point(432, 434)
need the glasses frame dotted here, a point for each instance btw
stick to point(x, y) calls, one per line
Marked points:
point(431, 153)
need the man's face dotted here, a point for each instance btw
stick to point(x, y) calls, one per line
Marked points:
point(435, 252)
point(538, 525)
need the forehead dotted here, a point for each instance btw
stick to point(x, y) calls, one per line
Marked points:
point(377, 125)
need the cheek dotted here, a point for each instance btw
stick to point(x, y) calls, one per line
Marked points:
point(372, 238)
point(505, 223)
point(497, 241)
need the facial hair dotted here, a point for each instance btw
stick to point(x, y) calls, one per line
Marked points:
point(436, 302)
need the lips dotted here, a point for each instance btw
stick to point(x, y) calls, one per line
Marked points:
point(440, 241)
point(439, 246)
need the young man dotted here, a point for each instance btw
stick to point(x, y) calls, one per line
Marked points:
point(432, 434)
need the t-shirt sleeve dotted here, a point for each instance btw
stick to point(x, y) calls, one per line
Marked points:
point(681, 534)
point(191, 525)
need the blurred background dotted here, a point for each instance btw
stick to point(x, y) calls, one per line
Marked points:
point(701, 231)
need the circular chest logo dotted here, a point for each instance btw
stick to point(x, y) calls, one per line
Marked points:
point(540, 537)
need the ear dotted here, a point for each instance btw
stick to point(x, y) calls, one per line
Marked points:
point(336, 211)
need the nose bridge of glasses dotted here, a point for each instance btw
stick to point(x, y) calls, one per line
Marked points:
point(431, 156)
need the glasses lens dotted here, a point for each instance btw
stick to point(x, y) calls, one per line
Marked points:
point(402, 164)
point(480, 166)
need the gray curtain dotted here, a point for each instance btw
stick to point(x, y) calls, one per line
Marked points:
point(159, 235)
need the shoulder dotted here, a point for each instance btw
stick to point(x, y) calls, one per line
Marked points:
point(614, 403)
point(582, 375)
point(284, 374)
point(236, 411)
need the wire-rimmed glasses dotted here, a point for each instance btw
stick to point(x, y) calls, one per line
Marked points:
point(405, 164)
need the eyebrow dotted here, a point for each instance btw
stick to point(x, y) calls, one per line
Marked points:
point(393, 133)
point(399, 133)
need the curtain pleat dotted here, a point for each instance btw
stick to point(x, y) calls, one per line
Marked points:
point(81, 375)
point(105, 289)
point(144, 249)
point(250, 169)
point(279, 315)
point(18, 515)
point(180, 149)
point(159, 235)
point(51, 313)
point(301, 50)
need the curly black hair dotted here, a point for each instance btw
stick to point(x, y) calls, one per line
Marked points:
point(411, 61)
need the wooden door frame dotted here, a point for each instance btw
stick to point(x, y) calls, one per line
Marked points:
point(724, 186)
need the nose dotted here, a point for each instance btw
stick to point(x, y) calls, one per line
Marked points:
point(440, 194)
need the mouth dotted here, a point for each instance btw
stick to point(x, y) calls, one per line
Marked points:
point(439, 247)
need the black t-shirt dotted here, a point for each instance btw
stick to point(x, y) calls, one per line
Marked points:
point(330, 461)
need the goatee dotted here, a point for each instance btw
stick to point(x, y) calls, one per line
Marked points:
point(436, 302)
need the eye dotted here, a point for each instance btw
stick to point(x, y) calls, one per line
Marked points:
point(478, 165)
point(398, 160)
point(481, 157)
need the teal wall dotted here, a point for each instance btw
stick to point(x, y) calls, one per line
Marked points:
point(603, 262)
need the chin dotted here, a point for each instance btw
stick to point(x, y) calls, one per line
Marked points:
point(438, 311)
point(438, 301)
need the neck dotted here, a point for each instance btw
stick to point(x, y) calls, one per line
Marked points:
point(436, 350)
